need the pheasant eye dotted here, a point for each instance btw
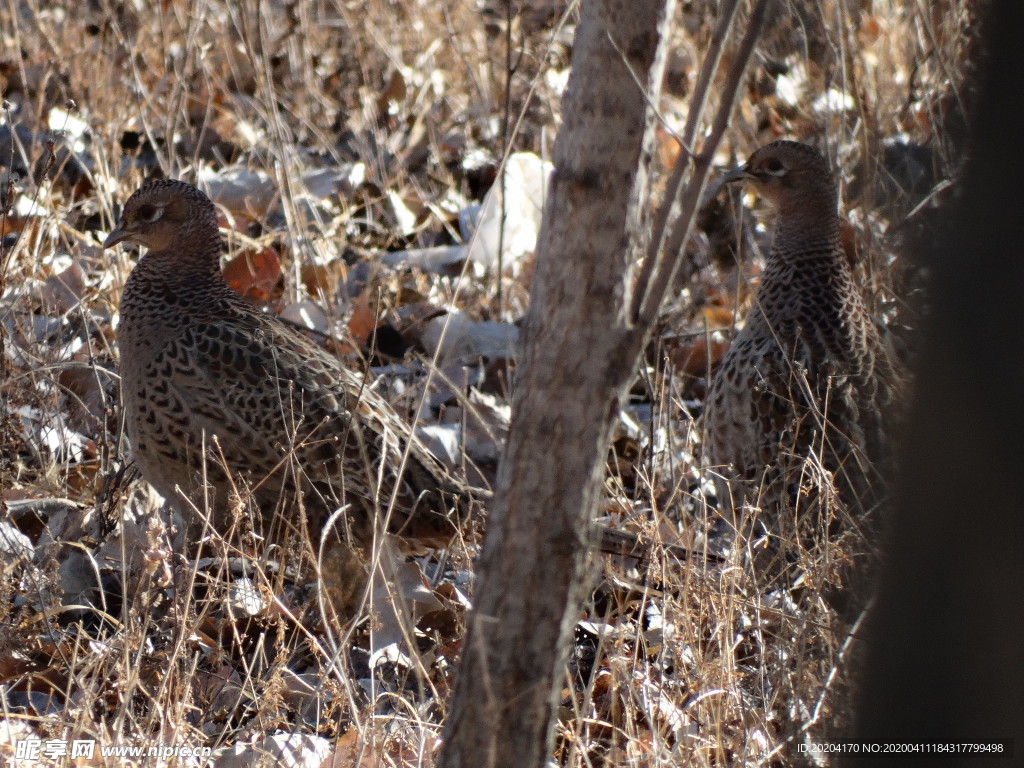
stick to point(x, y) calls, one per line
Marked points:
point(149, 212)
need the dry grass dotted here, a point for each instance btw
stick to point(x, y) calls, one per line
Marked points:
point(694, 665)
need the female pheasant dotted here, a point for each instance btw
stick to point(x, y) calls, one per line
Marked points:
point(809, 382)
point(220, 397)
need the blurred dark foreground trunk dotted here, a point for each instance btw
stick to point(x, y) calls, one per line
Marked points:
point(945, 662)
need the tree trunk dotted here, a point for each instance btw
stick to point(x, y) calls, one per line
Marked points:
point(944, 662)
point(579, 355)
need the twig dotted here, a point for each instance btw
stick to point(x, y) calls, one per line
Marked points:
point(675, 183)
point(661, 264)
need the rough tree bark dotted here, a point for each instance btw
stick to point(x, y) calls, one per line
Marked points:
point(579, 353)
point(582, 341)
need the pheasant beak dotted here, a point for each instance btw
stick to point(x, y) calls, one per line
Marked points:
point(738, 174)
point(120, 234)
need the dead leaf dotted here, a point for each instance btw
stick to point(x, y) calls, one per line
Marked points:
point(717, 316)
point(256, 275)
point(696, 357)
point(363, 321)
point(321, 280)
point(668, 148)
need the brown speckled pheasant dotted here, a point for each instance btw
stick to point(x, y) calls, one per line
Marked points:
point(809, 375)
point(219, 395)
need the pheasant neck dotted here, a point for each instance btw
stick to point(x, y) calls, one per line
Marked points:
point(195, 271)
point(807, 236)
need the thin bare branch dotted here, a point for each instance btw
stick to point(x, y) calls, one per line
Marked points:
point(675, 184)
point(648, 296)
